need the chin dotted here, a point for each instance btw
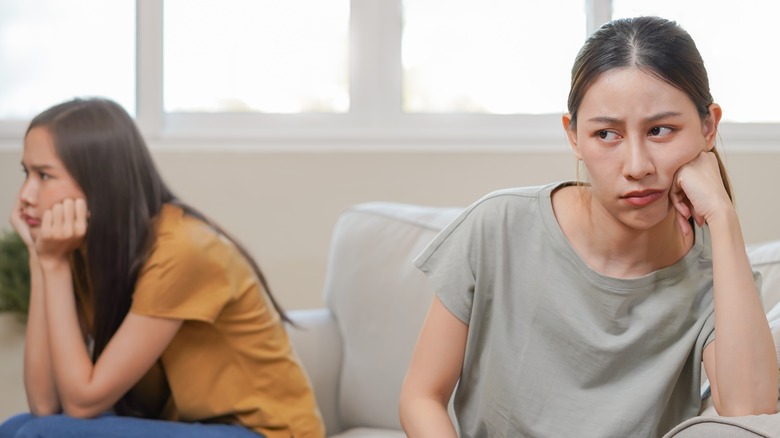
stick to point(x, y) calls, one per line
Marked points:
point(649, 220)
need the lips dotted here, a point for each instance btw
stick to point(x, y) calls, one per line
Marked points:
point(642, 197)
point(31, 221)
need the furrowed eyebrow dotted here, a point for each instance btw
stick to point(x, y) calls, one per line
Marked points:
point(653, 118)
point(605, 119)
point(661, 116)
point(38, 168)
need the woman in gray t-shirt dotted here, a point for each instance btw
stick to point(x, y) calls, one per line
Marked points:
point(586, 309)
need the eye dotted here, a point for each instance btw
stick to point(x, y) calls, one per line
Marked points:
point(660, 131)
point(44, 176)
point(607, 135)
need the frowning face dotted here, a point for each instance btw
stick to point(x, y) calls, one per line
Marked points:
point(633, 133)
point(47, 182)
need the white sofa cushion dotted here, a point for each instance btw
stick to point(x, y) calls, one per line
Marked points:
point(317, 341)
point(765, 258)
point(371, 284)
point(755, 426)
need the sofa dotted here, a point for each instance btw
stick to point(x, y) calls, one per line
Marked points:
point(357, 347)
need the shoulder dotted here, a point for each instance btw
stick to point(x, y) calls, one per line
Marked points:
point(521, 193)
point(190, 272)
point(510, 202)
point(496, 215)
point(183, 240)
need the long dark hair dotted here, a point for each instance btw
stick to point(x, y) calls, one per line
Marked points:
point(102, 149)
point(654, 45)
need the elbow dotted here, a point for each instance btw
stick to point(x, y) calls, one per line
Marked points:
point(82, 408)
point(41, 405)
point(42, 409)
point(403, 405)
point(407, 403)
point(741, 409)
point(78, 411)
point(406, 415)
point(413, 402)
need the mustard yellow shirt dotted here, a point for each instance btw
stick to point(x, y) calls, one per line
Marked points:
point(231, 361)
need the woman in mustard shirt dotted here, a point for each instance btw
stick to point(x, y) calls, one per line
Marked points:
point(146, 319)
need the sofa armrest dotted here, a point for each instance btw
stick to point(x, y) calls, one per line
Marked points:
point(317, 342)
point(753, 426)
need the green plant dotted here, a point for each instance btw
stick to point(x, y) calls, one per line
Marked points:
point(14, 274)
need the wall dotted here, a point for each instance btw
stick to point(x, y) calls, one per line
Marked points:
point(283, 205)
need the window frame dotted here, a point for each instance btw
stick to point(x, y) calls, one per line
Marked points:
point(375, 120)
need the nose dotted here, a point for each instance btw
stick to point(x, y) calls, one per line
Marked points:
point(638, 162)
point(28, 193)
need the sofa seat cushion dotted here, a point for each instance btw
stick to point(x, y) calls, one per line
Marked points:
point(366, 432)
point(753, 426)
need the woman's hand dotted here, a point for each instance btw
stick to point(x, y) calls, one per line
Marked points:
point(20, 226)
point(63, 228)
point(698, 191)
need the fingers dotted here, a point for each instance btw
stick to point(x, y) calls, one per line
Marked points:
point(683, 211)
point(47, 223)
point(63, 227)
point(66, 219)
point(700, 221)
point(701, 189)
point(680, 204)
point(685, 226)
point(80, 226)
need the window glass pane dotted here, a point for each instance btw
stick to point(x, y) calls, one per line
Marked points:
point(53, 50)
point(269, 56)
point(491, 56)
point(737, 42)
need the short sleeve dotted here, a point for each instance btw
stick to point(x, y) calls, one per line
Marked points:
point(450, 262)
point(184, 277)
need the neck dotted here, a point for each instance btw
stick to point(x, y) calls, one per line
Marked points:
point(614, 249)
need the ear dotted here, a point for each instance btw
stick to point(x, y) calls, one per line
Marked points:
point(571, 134)
point(710, 125)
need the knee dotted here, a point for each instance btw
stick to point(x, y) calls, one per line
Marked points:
point(11, 426)
point(39, 427)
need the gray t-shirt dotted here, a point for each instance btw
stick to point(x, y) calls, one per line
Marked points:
point(556, 349)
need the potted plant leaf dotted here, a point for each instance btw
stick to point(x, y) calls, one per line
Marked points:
point(14, 302)
point(14, 275)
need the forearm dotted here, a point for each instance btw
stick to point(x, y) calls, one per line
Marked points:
point(39, 383)
point(745, 360)
point(72, 366)
point(433, 372)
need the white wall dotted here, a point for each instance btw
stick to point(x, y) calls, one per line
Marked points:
point(283, 205)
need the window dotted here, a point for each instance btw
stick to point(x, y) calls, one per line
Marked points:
point(735, 42)
point(52, 50)
point(355, 73)
point(248, 56)
point(492, 56)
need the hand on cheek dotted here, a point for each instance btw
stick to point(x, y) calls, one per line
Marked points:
point(698, 191)
point(63, 228)
point(21, 227)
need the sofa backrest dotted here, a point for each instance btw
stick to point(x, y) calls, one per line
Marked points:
point(379, 300)
point(372, 284)
point(765, 258)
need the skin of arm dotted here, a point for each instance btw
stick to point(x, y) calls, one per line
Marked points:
point(741, 362)
point(433, 373)
point(85, 389)
point(42, 398)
